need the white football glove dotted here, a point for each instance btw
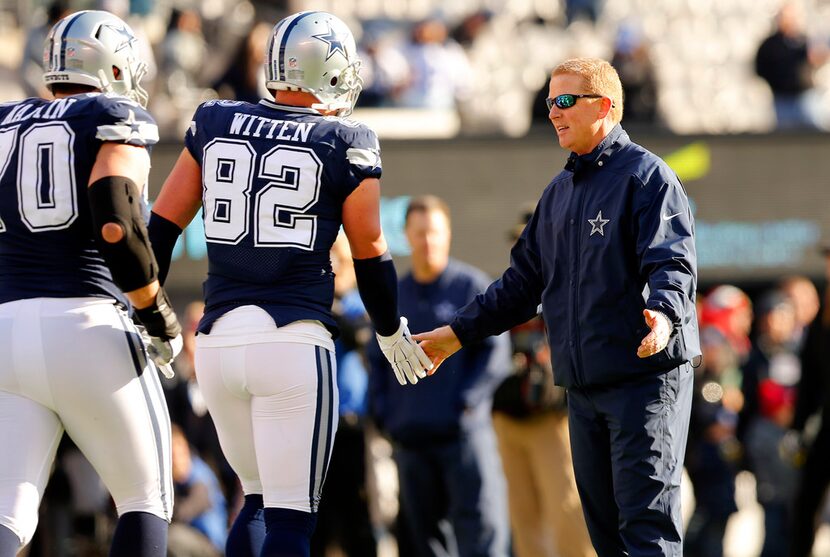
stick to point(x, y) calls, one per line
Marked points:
point(163, 352)
point(408, 360)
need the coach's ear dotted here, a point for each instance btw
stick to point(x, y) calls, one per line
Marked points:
point(605, 106)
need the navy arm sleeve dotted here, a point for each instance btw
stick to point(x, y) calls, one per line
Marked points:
point(666, 248)
point(163, 235)
point(377, 283)
point(508, 301)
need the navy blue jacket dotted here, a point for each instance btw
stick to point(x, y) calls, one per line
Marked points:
point(612, 234)
point(441, 407)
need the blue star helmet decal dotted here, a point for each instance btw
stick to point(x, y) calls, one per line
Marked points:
point(127, 38)
point(334, 43)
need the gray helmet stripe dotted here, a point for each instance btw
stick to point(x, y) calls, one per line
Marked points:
point(288, 27)
point(276, 35)
point(55, 46)
point(268, 51)
point(64, 33)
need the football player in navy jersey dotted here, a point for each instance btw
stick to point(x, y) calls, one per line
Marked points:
point(275, 181)
point(73, 250)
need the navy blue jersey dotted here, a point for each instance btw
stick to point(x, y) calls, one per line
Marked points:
point(274, 180)
point(47, 151)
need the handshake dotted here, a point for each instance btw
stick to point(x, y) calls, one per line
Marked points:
point(407, 358)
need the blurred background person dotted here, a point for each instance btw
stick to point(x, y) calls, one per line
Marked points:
point(471, 27)
point(31, 64)
point(343, 519)
point(770, 376)
point(244, 79)
point(200, 518)
point(530, 417)
point(184, 49)
point(452, 488)
point(440, 73)
point(183, 55)
point(804, 296)
point(77, 515)
point(384, 68)
point(786, 60)
point(632, 60)
point(813, 402)
point(713, 452)
point(583, 10)
point(729, 309)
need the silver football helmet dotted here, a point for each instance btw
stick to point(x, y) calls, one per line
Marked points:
point(98, 49)
point(315, 52)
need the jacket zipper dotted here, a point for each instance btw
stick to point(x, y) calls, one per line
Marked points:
point(577, 348)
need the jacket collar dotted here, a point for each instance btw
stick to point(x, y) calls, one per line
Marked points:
point(616, 139)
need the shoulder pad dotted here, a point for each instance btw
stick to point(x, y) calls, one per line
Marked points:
point(123, 120)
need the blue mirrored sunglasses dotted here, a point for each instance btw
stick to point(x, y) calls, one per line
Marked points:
point(567, 100)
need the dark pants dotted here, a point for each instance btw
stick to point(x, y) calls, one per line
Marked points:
point(628, 442)
point(704, 538)
point(453, 497)
point(343, 516)
point(815, 477)
point(776, 529)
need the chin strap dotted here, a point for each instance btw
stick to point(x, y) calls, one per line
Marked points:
point(340, 109)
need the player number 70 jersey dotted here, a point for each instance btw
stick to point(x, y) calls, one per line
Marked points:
point(47, 150)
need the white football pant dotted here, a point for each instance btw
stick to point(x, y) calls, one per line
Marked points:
point(78, 364)
point(272, 394)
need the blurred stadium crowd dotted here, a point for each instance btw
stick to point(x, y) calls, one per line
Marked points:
point(478, 66)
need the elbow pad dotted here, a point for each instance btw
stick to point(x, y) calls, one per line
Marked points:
point(117, 200)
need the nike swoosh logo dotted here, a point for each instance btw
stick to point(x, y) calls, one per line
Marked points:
point(669, 217)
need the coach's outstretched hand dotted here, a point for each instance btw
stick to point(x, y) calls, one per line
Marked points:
point(408, 360)
point(439, 344)
point(658, 338)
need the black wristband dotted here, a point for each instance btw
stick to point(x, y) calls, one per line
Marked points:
point(377, 282)
point(159, 318)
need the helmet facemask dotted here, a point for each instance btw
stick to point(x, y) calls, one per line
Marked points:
point(130, 84)
point(342, 91)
